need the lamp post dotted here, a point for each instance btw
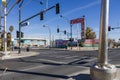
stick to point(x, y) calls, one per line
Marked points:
point(5, 34)
point(68, 23)
point(70, 26)
point(102, 70)
point(49, 34)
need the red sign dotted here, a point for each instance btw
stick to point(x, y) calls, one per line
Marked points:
point(78, 20)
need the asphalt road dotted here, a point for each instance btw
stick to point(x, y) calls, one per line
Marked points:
point(53, 64)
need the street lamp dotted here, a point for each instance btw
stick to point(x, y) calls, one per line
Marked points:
point(5, 34)
point(49, 33)
point(4, 2)
point(69, 24)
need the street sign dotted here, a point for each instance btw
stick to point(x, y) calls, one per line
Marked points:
point(82, 21)
point(78, 20)
point(24, 24)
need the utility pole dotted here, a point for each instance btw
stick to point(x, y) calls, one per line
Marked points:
point(102, 70)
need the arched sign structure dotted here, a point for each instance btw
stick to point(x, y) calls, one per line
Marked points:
point(82, 21)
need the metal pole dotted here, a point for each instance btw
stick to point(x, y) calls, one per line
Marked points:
point(103, 45)
point(77, 37)
point(20, 26)
point(0, 16)
point(19, 30)
point(70, 27)
point(49, 36)
point(46, 4)
point(5, 33)
point(71, 34)
point(11, 8)
point(102, 70)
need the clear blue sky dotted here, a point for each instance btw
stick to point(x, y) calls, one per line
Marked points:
point(71, 9)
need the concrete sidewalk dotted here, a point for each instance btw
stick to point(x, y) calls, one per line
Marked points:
point(15, 54)
point(85, 75)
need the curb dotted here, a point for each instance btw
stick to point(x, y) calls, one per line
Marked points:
point(14, 55)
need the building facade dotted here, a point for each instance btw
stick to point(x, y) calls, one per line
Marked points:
point(33, 42)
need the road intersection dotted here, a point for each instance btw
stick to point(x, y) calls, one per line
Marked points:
point(54, 65)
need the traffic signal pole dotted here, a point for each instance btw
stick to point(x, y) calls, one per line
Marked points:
point(36, 15)
point(102, 70)
point(20, 27)
point(5, 16)
point(41, 12)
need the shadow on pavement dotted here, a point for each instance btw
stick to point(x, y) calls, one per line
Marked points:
point(81, 77)
point(118, 66)
point(80, 62)
point(36, 73)
point(42, 62)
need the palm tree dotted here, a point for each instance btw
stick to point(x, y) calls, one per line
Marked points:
point(90, 34)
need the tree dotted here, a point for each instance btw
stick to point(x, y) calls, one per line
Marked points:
point(1, 41)
point(90, 34)
point(8, 39)
point(11, 28)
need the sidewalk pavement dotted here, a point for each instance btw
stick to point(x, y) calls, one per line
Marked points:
point(118, 73)
point(85, 75)
point(15, 54)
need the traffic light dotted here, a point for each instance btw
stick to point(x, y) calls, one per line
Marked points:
point(64, 31)
point(109, 28)
point(17, 34)
point(57, 8)
point(41, 16)
point(58, 30)
point(22, 34)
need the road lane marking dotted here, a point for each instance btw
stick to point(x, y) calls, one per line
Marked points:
point(114, 56)
point(8, 73)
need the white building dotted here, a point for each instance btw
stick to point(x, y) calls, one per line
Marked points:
point(35, 42)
